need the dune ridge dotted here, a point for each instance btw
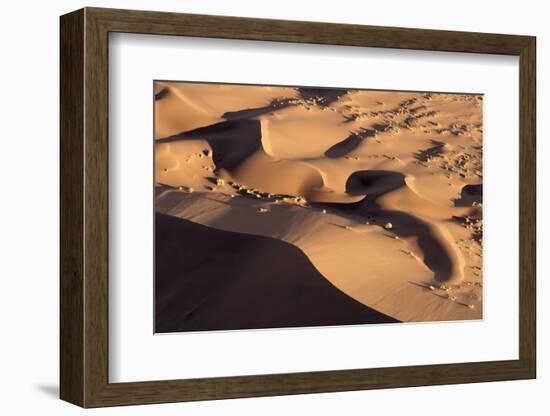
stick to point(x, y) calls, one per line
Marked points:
point(259, 289)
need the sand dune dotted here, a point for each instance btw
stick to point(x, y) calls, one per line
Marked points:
point(327, 171)
point(379, 270)
point(198, 292)
point(182, 107)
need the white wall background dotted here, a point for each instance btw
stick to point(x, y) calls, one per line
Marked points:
point(29, 207)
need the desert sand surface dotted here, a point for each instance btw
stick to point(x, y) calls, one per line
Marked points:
point(378, 193)
point(209, 300)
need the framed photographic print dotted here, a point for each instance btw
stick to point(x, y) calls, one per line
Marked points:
point(256, 207)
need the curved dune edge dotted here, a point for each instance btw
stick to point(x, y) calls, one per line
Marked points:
point(251, 282)
point(365, 262)
point(392, 194)
point(205, 104)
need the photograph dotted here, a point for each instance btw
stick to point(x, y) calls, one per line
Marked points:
point(300, 206)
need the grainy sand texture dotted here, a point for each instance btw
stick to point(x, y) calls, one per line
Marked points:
point(294, 206)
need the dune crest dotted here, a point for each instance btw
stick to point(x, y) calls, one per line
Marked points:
point(290, 293)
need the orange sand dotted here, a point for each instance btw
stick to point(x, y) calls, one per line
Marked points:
point(326, 173)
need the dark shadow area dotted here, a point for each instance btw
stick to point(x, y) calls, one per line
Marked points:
point(51, 390)
point(342, 148)
point(378, 182)
point(161, 94)
point(324, 96)
point(427, 154)
point(469, 195)
point(208, 279)
point(231, 141)
point(256, 112)
point(381, 127)
point(435, 256)
point(347, 145)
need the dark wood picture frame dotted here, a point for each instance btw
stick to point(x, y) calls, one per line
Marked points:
point(84, 207)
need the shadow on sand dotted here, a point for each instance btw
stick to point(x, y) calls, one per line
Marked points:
point(209, 279)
